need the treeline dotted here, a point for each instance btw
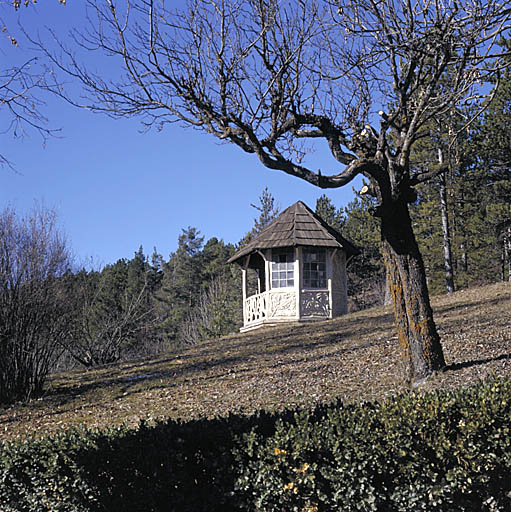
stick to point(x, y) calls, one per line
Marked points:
point(54, 316)
point(144, 306)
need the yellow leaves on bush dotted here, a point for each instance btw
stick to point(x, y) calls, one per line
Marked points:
point(290, 487)
point(303, 469)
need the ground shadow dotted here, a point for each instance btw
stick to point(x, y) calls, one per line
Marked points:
point(469, 364)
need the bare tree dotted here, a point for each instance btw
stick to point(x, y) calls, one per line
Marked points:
point(18, 88)
point(34, 312)
point(274, 76)
point(107, 323)
point(22, 83)
point(217, 313)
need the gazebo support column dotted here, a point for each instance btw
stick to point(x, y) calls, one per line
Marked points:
point(244, 290)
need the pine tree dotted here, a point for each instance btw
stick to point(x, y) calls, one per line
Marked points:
point(329, 213)
point(269, 209)
point(155, 272)
point(214, 258)
point(366, 272)
point(186, 266)
point(218, 308)
point(180, 285)
point(494, 149)
point(137, 272)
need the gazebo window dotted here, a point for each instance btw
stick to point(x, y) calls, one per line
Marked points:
point(282, 268)
point(314, 268)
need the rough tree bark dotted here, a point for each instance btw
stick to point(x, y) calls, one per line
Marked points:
point(505, 241)
point(508, 254)
point(460, 228)
point(416, 328)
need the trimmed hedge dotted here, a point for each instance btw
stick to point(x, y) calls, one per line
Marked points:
point(440, 451)
point(164, 467)
point(445, 451)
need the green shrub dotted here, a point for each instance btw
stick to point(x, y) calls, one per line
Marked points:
point(44, 475)
point(163, 467)
point(439, 451)
point(442, 451)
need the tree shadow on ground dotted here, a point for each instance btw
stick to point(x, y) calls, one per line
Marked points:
point(476, 362)
point(349, 333)
point(157, 375)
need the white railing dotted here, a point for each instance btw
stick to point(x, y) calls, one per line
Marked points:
point(255, 308)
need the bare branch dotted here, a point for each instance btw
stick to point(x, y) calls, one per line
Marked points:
point(266, 75)
point(22, 83)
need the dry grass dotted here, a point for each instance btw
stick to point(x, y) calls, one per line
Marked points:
point(355, 357)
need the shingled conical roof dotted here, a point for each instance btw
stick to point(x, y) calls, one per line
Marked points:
point(297, 225)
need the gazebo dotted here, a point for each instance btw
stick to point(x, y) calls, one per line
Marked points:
point(300, 270)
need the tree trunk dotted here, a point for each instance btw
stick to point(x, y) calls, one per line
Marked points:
point(507, 244)
point(463, 234)
point(449, 275)
point(503, 249)
point(416, 328)
point(505, 254)
point(508, 254)
point(388, 295)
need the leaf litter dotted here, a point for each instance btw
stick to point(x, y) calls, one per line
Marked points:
point(354, 358)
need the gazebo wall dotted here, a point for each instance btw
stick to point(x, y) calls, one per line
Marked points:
point(316, 303)
point(283, 303)
point(339, 284)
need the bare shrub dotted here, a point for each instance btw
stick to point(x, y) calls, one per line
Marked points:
point(34, 313)
point(215, 315)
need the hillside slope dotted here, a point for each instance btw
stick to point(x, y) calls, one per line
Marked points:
point(355, 357)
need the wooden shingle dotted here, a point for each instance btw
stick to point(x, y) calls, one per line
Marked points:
point(297, 225)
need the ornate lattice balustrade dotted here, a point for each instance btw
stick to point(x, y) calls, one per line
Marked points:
point(315, 304)
point(269, 306)
point(255, 309)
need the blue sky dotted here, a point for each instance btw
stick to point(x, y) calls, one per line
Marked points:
point(115, 188)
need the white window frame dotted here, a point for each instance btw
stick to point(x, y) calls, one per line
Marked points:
point(283, 273)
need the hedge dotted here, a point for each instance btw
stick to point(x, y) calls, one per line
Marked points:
point(441, 451)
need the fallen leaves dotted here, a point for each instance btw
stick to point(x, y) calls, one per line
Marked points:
point(355, 357)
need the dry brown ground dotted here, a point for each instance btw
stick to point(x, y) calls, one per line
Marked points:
point(355, 357)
